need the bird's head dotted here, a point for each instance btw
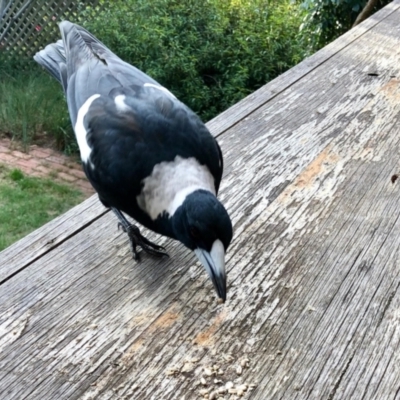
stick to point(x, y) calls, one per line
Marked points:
point(203, 225)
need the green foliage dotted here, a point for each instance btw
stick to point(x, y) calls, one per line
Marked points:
point(325, 20)
point(27, 203)
point(209, 53)
point(33, 105)
point(16, 175)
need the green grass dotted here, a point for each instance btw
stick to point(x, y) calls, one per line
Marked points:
point(33, 108)
point(26, 203)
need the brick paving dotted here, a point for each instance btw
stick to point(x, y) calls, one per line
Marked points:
point(46, 162)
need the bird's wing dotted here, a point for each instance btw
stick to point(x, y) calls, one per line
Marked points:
point(86, 67)
point(133, 132)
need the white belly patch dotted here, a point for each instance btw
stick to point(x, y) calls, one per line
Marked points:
point(170, 183)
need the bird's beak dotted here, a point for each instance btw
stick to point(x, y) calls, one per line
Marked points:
point(214, 263)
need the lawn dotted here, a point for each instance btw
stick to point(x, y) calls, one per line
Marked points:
point(33, 110)
point(26, 203)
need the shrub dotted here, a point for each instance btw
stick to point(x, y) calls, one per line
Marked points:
point(325, 20)
point(209, 53)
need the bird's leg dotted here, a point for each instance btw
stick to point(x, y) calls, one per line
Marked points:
point(137, 239)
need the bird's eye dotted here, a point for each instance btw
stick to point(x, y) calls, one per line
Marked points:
point(194, 232)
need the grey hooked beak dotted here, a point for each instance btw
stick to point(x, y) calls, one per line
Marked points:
point(214, 264)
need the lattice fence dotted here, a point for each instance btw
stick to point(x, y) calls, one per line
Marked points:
point(28, 25)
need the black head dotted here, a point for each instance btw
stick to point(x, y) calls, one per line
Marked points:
point(203, 225)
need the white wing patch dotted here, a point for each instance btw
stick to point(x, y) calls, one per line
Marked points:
point(120, 103)
point(80, 130)
point(170, 183)
point(159, 88)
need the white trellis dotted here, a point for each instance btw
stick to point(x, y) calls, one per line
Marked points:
point(28, 25)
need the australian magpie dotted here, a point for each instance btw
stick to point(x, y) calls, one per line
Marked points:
point(146, 154)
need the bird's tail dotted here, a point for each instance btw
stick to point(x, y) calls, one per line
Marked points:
point(76, 47)
point(81, 44)
point(52, 58)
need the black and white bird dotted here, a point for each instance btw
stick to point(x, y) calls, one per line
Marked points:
point(146, 154)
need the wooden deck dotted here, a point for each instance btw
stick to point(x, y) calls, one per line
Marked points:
point(314, 268)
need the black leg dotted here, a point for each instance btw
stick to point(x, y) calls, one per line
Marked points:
point(137, 239)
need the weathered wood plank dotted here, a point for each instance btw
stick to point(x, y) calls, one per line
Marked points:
point(313, 287)
point(217, 126)
point(40, 239)
point(45, 239)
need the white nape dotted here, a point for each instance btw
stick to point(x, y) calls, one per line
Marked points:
point(120, 103)
point(170, 183)
point(159, 88)
point(80, 131)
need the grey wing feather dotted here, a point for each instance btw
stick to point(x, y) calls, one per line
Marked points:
point(81, 42)
point(85, 66)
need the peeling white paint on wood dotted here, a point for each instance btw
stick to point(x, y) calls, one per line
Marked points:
point(313, 278)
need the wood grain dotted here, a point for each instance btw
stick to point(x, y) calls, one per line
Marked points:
point(313, 300)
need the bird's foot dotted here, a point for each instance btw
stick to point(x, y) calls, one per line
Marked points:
point(136, 239)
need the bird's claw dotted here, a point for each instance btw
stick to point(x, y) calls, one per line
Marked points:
point(137, 239)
